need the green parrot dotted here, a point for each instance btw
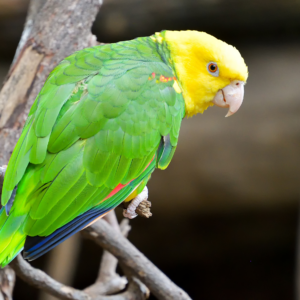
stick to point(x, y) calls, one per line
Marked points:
point(106, 117)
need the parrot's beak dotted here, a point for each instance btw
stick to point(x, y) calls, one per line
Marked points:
point(230, 96)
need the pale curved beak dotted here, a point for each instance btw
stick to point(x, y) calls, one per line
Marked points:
point(230, 96)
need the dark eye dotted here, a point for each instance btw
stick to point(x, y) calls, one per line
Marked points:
point(212, 67)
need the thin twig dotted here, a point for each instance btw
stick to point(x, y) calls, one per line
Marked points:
point(125, 227)
point(109, 263)
point(108, 281)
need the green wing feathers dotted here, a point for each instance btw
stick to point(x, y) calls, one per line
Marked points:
point(97, 123)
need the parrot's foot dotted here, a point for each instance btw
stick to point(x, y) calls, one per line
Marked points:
point(129, 212)
point(144, 209)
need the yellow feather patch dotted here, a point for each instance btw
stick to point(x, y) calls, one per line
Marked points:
point(176, 87)
point(158, 37)
point(191, 51)
point(131, 196)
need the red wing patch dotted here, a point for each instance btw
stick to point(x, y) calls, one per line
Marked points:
point(120, 185)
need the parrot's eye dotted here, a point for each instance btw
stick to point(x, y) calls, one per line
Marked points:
point(213, 69)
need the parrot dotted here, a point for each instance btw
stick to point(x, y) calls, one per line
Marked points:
point(105, 119)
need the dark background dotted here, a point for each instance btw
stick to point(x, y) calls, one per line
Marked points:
point(225, 212)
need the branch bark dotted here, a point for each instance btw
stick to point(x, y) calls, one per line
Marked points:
point(108, 281)
point(41, 280)
point(54, 29)
point(109, 263)
point(7, 283)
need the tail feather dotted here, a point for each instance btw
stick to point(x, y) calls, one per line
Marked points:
point(12, 238)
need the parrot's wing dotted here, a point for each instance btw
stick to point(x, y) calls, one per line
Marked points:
point(116, 103)
point(33, 142)
point(37, 246)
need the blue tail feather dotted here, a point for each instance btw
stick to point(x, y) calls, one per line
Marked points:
point(45, 244)
point(37, 246)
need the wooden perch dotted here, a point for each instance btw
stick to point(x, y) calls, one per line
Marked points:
point(108, 281)
point(113, 241)
point(41, 280)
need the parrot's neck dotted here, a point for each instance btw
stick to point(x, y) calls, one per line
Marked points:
point(185, 79)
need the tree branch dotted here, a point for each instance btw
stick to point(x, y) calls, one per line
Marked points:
point(108, 281)
point(7, 283)
point(34, 7)
point(41, 280)
point(109, 263)
point(54, 29)
point(113, 241)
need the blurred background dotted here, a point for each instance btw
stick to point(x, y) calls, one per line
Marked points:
point(225, 212)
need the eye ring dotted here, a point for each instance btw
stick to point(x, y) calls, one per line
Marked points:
point(213, 69)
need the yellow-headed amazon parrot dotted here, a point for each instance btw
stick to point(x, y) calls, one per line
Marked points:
point(106, 117)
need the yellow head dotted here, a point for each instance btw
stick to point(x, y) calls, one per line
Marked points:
point(209, 70)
